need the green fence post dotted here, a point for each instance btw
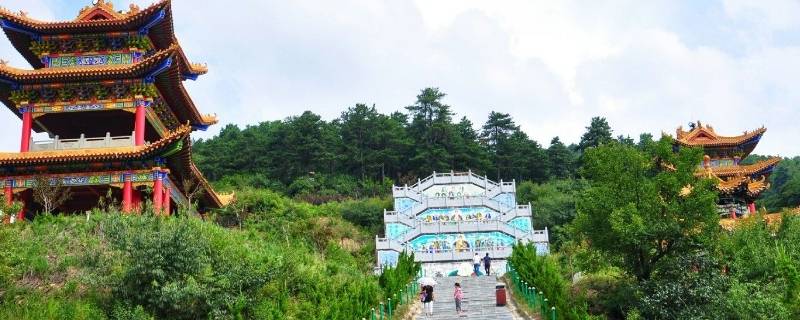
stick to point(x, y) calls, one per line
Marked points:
point(544, 308)
point(532, 296)
point(390, 306)
point(541, 300)
point(381, 310)
point(373, 314)
point(552, 313)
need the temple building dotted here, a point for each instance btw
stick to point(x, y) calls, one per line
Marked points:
point(107, 90)
point(446, 218)
point(739, 185)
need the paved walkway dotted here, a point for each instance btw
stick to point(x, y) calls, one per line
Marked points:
point(479, 300)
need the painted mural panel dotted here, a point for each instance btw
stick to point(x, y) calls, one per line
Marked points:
point(521, 223)
point(453, 191)
point(507, 199)
point(458, 214)
point(395, 230)
point(401, 204)
point(388, 258)
point(461, 242)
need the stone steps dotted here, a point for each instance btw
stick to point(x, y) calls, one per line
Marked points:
point(479, 300)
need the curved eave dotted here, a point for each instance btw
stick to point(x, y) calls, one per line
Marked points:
point(86, 74)
point(171, 87)
point(755, 170)
point(721, 141)
point(99, 154)
point(182, 166)
point(21, 30)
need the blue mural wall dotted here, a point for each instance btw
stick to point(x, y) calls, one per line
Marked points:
point(401, 204)
point(507, 199)
point(395, 230)
point(458, 214)
point(521, 223)
point(461, 242)
point(388, 258)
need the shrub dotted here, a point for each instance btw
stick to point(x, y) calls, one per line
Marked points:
point(545, 274)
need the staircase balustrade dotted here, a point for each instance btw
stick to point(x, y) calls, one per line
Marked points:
point(83, 142)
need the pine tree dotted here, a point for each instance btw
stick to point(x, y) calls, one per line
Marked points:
point(560, 159)
point(495, 135)
point(597, 133)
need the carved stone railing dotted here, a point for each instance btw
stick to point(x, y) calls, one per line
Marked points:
point(83, 143)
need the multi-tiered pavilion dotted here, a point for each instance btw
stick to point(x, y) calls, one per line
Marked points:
point(739, 185)
point(107, 90)
point(446, 218)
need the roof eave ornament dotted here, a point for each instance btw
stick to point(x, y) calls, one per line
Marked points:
point(151, 77)
point(5, 24)
point(144, 30)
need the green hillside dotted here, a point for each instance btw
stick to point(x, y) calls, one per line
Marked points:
point(288, 260)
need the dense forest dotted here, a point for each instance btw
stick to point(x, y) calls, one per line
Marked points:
point(627, 241)
point(361, 153)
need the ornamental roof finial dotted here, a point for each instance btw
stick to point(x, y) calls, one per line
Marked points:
point(3, 62)
point(133, 8)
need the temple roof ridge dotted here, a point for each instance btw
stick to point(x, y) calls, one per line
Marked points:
point(705, 135)
point(84, 17)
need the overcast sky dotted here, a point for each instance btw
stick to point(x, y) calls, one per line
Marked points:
point(646, 66)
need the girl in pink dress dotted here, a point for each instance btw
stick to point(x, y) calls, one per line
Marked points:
point(458, 295)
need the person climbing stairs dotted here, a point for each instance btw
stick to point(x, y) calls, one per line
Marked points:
point(479, 300)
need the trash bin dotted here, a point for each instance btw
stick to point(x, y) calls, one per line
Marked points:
point(500, 294)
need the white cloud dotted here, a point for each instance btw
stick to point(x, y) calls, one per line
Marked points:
point(646, 66)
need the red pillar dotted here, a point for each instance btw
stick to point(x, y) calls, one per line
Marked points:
point(127, 193)
point(138, 127)
point(167, 198)
point(27, 122)
point(158, 191)
point(752, 207)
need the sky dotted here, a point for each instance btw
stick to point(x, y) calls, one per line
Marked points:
point(646, 66)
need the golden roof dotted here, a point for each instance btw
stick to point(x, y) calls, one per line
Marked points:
point(96, 154)
point(705, 136)
point(82, 72)
point(748, 169)
point(101, 14)
point(102, 10)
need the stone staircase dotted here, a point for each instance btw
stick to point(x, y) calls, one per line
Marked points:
point(479, 300)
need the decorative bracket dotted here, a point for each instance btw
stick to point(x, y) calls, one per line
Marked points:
point(143, 31)
point(151, 77)
point(5, 24)
point(190, 76)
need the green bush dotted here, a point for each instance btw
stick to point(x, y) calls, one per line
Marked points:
point(544, 273)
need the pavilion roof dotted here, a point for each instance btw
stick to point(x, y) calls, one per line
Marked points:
point(86, 73)
point(169, 82)
point(180, 164)
point(761, 167)
point(705, 136)
point(155, 21)
point(751, 179)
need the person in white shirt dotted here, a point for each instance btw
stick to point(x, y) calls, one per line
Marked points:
point(476, 263)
